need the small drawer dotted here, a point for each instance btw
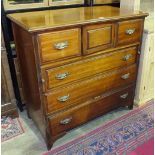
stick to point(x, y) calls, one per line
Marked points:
point(75, 71)
point(64, 121)
point(61, 98)
point(98, 37)
point(129, 32)
point(59, 44)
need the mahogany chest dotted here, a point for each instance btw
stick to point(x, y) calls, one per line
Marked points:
point(77, 64)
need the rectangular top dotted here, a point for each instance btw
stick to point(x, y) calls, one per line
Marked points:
point(49, 19)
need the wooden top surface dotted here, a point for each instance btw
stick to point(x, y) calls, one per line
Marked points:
point(48, 19)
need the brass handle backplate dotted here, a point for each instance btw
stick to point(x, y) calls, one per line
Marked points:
point(61, 45)
point(63, 98)
point(43, 80)
point(127, 57)
point(130, 31)
point(125, 76)
point(124, 96)
point(61, 76)
point(66, 121)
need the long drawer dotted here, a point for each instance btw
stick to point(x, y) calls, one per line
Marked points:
point(63, 121)
point(63, 97)
point(74, 71)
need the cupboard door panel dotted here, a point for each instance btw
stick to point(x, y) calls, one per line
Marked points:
point(98, 37)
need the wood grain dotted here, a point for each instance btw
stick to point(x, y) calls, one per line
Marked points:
point(8, 100)
point(62, 3)
point(97, 44)
point(29, 76)
point(106, 1)
point(48, 41)
point(9, 6)
point(123, 38)
point(90, 87)
point(89, 110)
point(51, 19)
point(19, 80)
point(58, 63)
point(77, 70)
point(98, 37)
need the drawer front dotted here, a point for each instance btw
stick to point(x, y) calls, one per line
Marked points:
point(83, 90)
point(73, 117)
point(129, 32)
point(98, 37)
point(59, 44)
point(81, 69)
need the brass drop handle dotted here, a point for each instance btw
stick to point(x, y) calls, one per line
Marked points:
point(43, 80)
point(61, 76)
point(61, 45)
point(66, 121)
point(63, 98)
point(125, 76)
point(127, 57)
point(130, 31)
point(124, 96)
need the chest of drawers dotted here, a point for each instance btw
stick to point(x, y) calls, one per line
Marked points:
point(76, 69)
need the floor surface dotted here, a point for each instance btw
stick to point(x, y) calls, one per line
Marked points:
point(32, 143)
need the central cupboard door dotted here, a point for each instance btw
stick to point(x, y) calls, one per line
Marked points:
point(98, 37)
